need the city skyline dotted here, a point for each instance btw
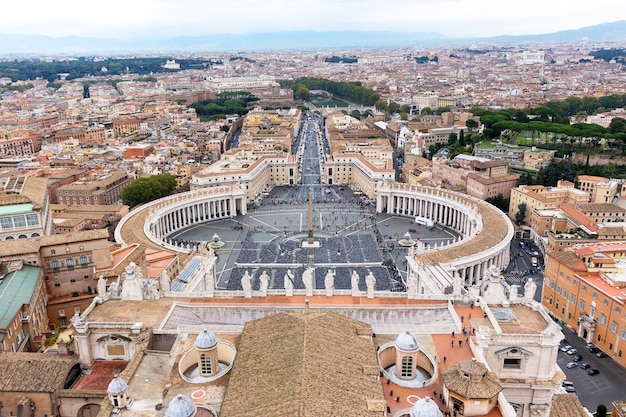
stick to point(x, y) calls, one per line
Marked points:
point(159, 18)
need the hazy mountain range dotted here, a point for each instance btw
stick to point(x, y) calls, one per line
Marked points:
point(11, 44)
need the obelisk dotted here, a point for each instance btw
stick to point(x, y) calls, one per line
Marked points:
point(310, 240)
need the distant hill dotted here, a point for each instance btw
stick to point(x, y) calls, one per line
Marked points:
point(45, 45)
point(615, 31)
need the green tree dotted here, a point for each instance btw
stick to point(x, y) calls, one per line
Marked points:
point(617, 125)
point(393, 107)
point(300, 92)
point(452, 138)
point(144, 190)
point(462, 138)
point(521, 214)
point(405, 108)
point(426, 111)
point(601, 410)
point(500, 202)
point(441, 110)
point(471, 124)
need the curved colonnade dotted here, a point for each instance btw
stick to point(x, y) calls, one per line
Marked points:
point(486, 231)
point(169, 214)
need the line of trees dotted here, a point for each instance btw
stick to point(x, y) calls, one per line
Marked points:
point(31, 69)
point(352, 91)
point(225, 103)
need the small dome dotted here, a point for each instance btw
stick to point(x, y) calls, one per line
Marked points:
point(425, 407)
point(117, 386)
point(206, 340)
point(407, 342)
point(181, 406)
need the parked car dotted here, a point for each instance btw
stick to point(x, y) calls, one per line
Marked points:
point(577, 358)
point(571, 365)
point(565, 348)
point(568, 386)
point(572, 351)
point(601, 355)
point(593, 372)
point(585, 366)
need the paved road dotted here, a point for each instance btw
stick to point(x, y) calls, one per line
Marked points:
point(604, 388)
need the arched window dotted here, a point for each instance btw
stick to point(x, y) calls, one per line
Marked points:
point(205, 364)
point(407, 367)
point(83, 260)
point(69, 262)
point(55, 264)
point(22, 237)
point(35, 235)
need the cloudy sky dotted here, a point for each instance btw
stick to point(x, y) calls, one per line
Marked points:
point(453, 18)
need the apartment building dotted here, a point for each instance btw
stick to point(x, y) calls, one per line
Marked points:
point(584, 287)
point(95, 189)
point(23, 315)
point(538, 197)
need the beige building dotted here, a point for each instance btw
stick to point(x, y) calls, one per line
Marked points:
point(23, 315)
point(68, 263)
point(257, 174)
point(538, 197)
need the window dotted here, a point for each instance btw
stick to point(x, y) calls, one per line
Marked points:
point(618, 310)
point(83, 260)
point(602, 319)
point(67, 249)
point(55, 264)
point(572, 298)
point(69, 262)
point(575, 282)
point(76, 310)
point(595, 294)
point(19, 221)
point(584, 288)
point(57, 285)
point(81, 248)
point(407, 367)
point(53, 252)
point(567, 278)
point(614, 327)
point(581, 304)
point(565, 293)
point(605, 302)
point(205, 364)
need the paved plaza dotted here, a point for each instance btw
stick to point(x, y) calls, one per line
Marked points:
point(351, 236)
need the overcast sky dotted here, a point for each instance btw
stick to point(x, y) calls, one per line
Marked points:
point(453, 18)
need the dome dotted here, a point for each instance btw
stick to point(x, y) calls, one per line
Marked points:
point(117, 386)
point(407, 342)
point(425, 407)
point(181, 406)
point(206, 340)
